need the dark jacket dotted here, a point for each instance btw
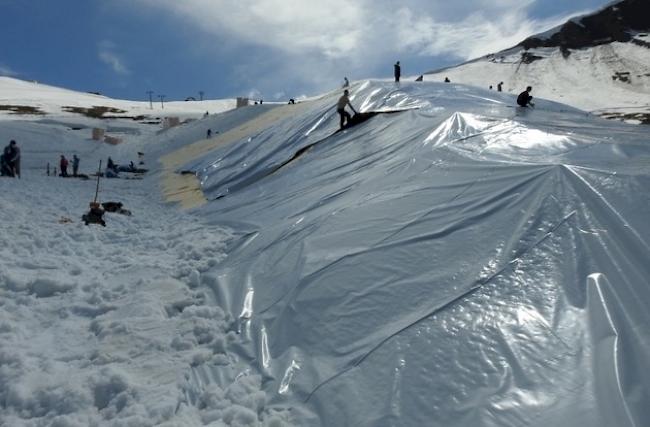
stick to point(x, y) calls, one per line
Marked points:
point(524, 98)
point(10, 153)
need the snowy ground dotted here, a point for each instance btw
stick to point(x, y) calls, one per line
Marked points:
point(52, 101)
point(460, 263)
point(115, 325)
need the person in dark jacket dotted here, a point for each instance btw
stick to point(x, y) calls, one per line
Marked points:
point(4, 166)
point(63, 165)
point(398, 71)
point(499, 86)
point(340, 108)
point(75, 165)
point(12, 159)
point(524, 98)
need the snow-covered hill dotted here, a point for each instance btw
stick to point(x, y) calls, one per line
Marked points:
point(60, 114)
point(457, 263)
point(599, 63)
point(21, 99)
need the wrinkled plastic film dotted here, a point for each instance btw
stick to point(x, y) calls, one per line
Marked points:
point(460, 263)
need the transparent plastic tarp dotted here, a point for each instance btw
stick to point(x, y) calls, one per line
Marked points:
point(463, 262)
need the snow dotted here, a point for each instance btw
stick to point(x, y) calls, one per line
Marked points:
point(462, 262)
point(50, 100)
point(585, 79)
point(109, 326)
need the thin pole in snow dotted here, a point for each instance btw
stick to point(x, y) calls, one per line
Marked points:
point(162, 97)
point(150, 92)
point(99, 171)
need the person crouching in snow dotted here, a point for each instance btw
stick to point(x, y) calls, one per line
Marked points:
point(524, 98)
point(340, 108)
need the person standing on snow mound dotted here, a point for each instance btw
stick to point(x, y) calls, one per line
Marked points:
point(340, 108)
point(398, 71)
point(499, 87)
point(524, 98)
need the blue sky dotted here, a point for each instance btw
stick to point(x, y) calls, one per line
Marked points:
point(271, 49)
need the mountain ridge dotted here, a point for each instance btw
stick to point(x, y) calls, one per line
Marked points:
point(614, 23)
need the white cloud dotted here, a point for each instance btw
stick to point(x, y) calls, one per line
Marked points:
point(7, 71)
point(287, 44)
point(290, 25)
point(474, 36)
point(350, 29)
point(108, 55)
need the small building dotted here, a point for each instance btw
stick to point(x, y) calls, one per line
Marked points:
point(242, 102)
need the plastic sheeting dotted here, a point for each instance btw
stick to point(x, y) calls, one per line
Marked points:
point(462, 263)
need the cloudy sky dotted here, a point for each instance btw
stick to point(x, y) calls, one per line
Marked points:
point(273, 49)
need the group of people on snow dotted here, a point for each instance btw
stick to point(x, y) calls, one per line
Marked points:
point(63, 166)
point(10, 157)
point(113, 169)
point(10, 164)
point(524, 99)
point(10, 160)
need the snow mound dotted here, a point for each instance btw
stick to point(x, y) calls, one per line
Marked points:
point(466, 261)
